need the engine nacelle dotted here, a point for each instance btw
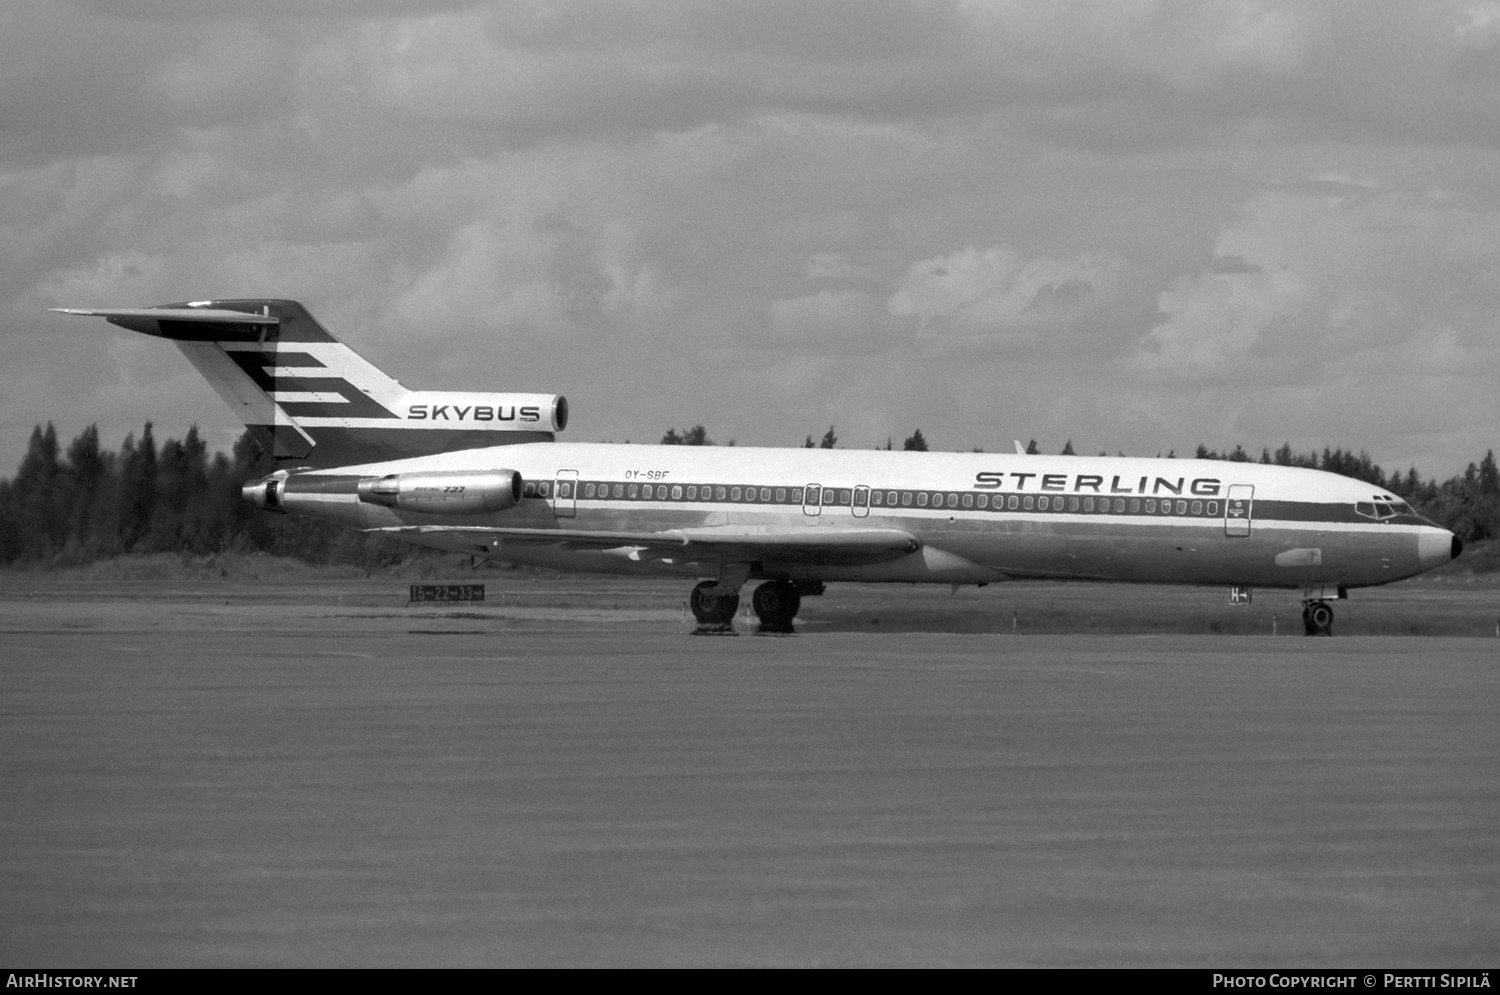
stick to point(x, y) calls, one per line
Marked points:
point(265, 492)
point(444, 492)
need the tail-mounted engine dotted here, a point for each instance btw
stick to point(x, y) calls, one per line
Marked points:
point(265, 492)
point(444, 493)
point(474, 492)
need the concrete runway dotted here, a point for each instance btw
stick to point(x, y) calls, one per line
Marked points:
point(227, 774)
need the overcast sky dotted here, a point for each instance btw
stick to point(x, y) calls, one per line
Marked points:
point(1138, 225)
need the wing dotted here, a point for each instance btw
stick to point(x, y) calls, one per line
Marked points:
point(708, 544)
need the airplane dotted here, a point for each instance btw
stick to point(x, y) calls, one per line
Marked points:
point(481, 474)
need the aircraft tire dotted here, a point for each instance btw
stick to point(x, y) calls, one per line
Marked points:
point(1317, 619)
point(711, 609)
point(776, 603)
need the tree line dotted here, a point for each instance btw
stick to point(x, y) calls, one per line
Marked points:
point(83, 503)
point(86, 503)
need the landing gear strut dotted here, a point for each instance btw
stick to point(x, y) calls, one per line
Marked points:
point(1317, 618)
point(714, 611)
point(776, 603)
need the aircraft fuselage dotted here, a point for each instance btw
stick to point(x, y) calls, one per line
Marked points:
point(979, 517)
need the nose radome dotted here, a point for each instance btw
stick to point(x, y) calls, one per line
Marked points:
point(1436, 547)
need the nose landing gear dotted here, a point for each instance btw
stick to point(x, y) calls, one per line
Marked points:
point(1317, 618)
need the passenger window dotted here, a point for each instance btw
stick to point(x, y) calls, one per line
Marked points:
point(921, 499)
point(647, 491)
point(1197, 507)
point(844, 498)
point(676, 492)
point(1182, 507)
point(1072, 504)
point(1135, 505)
point(1119, 505)
point(876, 497)
point(1029, 503)
point(734, 494)
point(1213, 507)
point(633, 492)
point(619, 490)
point(968, 500)
point(1088, 504)
point(1151, 506)
point(720, 493)
point(953, 500)
point(906, 499)
point(1043, 503)
point(1012, 502)
point(589, 490)
point(984, 500)
point(765, 493)
point(796, 495)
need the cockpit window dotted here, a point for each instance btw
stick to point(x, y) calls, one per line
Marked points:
point(1382, 507)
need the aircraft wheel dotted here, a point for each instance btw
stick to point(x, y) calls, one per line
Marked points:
point(776, 603)
point(1317, 619)
point(711, 609)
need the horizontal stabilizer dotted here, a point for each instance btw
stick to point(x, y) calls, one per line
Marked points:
point(187, 324)
point(175, 314)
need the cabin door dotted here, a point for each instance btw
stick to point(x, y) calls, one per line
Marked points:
point(1237, 508)
point(565, 494)
point(812, 500)
point(861, 502)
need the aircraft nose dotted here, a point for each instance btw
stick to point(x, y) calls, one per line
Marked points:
point(1436, 547)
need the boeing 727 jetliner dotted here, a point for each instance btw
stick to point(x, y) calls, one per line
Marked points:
point(479, 473)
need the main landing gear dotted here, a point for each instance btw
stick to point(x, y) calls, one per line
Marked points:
point(714, 611)
point(1317, 618)
point(776, 603)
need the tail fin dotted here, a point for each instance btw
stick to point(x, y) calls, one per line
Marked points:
point(311, 401)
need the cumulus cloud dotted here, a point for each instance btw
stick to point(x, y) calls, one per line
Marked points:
point(1302, 278)
point(996, 292)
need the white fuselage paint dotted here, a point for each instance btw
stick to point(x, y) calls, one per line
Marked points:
point(1302, 528)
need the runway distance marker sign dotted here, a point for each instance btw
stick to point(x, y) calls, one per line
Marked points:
point(446, 592)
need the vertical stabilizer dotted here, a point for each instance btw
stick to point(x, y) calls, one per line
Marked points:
point(311, 401)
